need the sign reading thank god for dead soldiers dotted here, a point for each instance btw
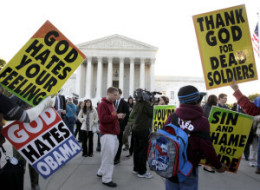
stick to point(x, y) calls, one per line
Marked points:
point(160, 115)
point(42, 66)
point(225, 46)
point(229, 132)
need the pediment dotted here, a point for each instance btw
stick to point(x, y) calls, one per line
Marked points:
point(117, 42)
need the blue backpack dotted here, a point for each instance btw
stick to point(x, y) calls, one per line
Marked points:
point(167, 153)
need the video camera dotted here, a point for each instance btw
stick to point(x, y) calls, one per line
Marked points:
point(147, 96)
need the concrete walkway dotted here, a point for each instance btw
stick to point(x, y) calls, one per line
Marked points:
point(80, 174)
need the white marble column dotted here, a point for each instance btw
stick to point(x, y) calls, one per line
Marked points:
point(80, 80)
point(132, 74)
point(109, 72)
point(89, 77)
point(121, 75)
point(152, 74)
point(99, 78)
point(142, 73)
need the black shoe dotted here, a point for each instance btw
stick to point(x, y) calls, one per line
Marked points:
point(99, 175)
point(129, 155)
point(210, 171)
point(110, 184)
point(98, 149)
point(90, 155)
point(116, 162)
point(84, 155)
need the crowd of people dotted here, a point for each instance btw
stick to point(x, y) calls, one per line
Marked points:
point(116, 121)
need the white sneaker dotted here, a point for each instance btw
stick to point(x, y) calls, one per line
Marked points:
point(253, 164)
point(146, 175)
point(134, 172)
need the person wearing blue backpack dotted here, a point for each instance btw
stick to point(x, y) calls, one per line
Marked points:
point(189, 117)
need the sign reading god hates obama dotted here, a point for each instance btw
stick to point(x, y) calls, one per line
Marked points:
point(46, 143)
point(160, 115)
point(42, 66)
point(225, 46)
point(229, 132)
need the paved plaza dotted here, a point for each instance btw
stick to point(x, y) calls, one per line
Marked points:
point(80, 174)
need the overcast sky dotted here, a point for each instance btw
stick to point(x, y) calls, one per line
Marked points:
point(166, 24)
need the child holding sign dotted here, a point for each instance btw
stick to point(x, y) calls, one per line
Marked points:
point(190, 118)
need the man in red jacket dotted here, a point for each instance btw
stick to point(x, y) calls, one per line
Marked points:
point(109, 129)
point(190, 118)
point(249, 108)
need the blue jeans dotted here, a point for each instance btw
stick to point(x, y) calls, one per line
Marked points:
point(70, 123)
point(191, 183)
point(258, 154)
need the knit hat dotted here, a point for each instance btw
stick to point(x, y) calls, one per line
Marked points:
point(190, 95)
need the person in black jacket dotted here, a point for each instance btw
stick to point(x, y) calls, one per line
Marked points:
point(212, 101)
point(60, 105)
point(143, 115)
point(11, 111)
point(34, 176)
point(78, 123)
point(121, 107)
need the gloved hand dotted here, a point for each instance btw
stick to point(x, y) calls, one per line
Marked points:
point(34, 112)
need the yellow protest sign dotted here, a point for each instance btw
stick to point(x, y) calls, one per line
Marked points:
point(42, 66)
point(225, 46)
point(160, 115)
point(229, 132)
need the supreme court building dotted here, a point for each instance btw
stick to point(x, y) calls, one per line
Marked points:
point(115, 61)
point(126, 63)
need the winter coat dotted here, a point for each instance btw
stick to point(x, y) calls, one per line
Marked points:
point(93, 119)
point(248, 107)
point(194, 121)
point(108, 120)
point(143, 115)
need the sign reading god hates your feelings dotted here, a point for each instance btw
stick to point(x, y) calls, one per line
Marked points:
point(46, 143)
point(229, 132)
point(225, 46)
point(42, 66)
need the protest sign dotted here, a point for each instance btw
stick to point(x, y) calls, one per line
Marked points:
point(160, 115)
point(229, 131)
point(225, 47)
point(46, 143)
point(42, 66)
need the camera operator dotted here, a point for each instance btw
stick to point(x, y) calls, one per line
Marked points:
point(143, 114)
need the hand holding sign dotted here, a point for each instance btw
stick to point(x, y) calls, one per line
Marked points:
point(234, 86)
